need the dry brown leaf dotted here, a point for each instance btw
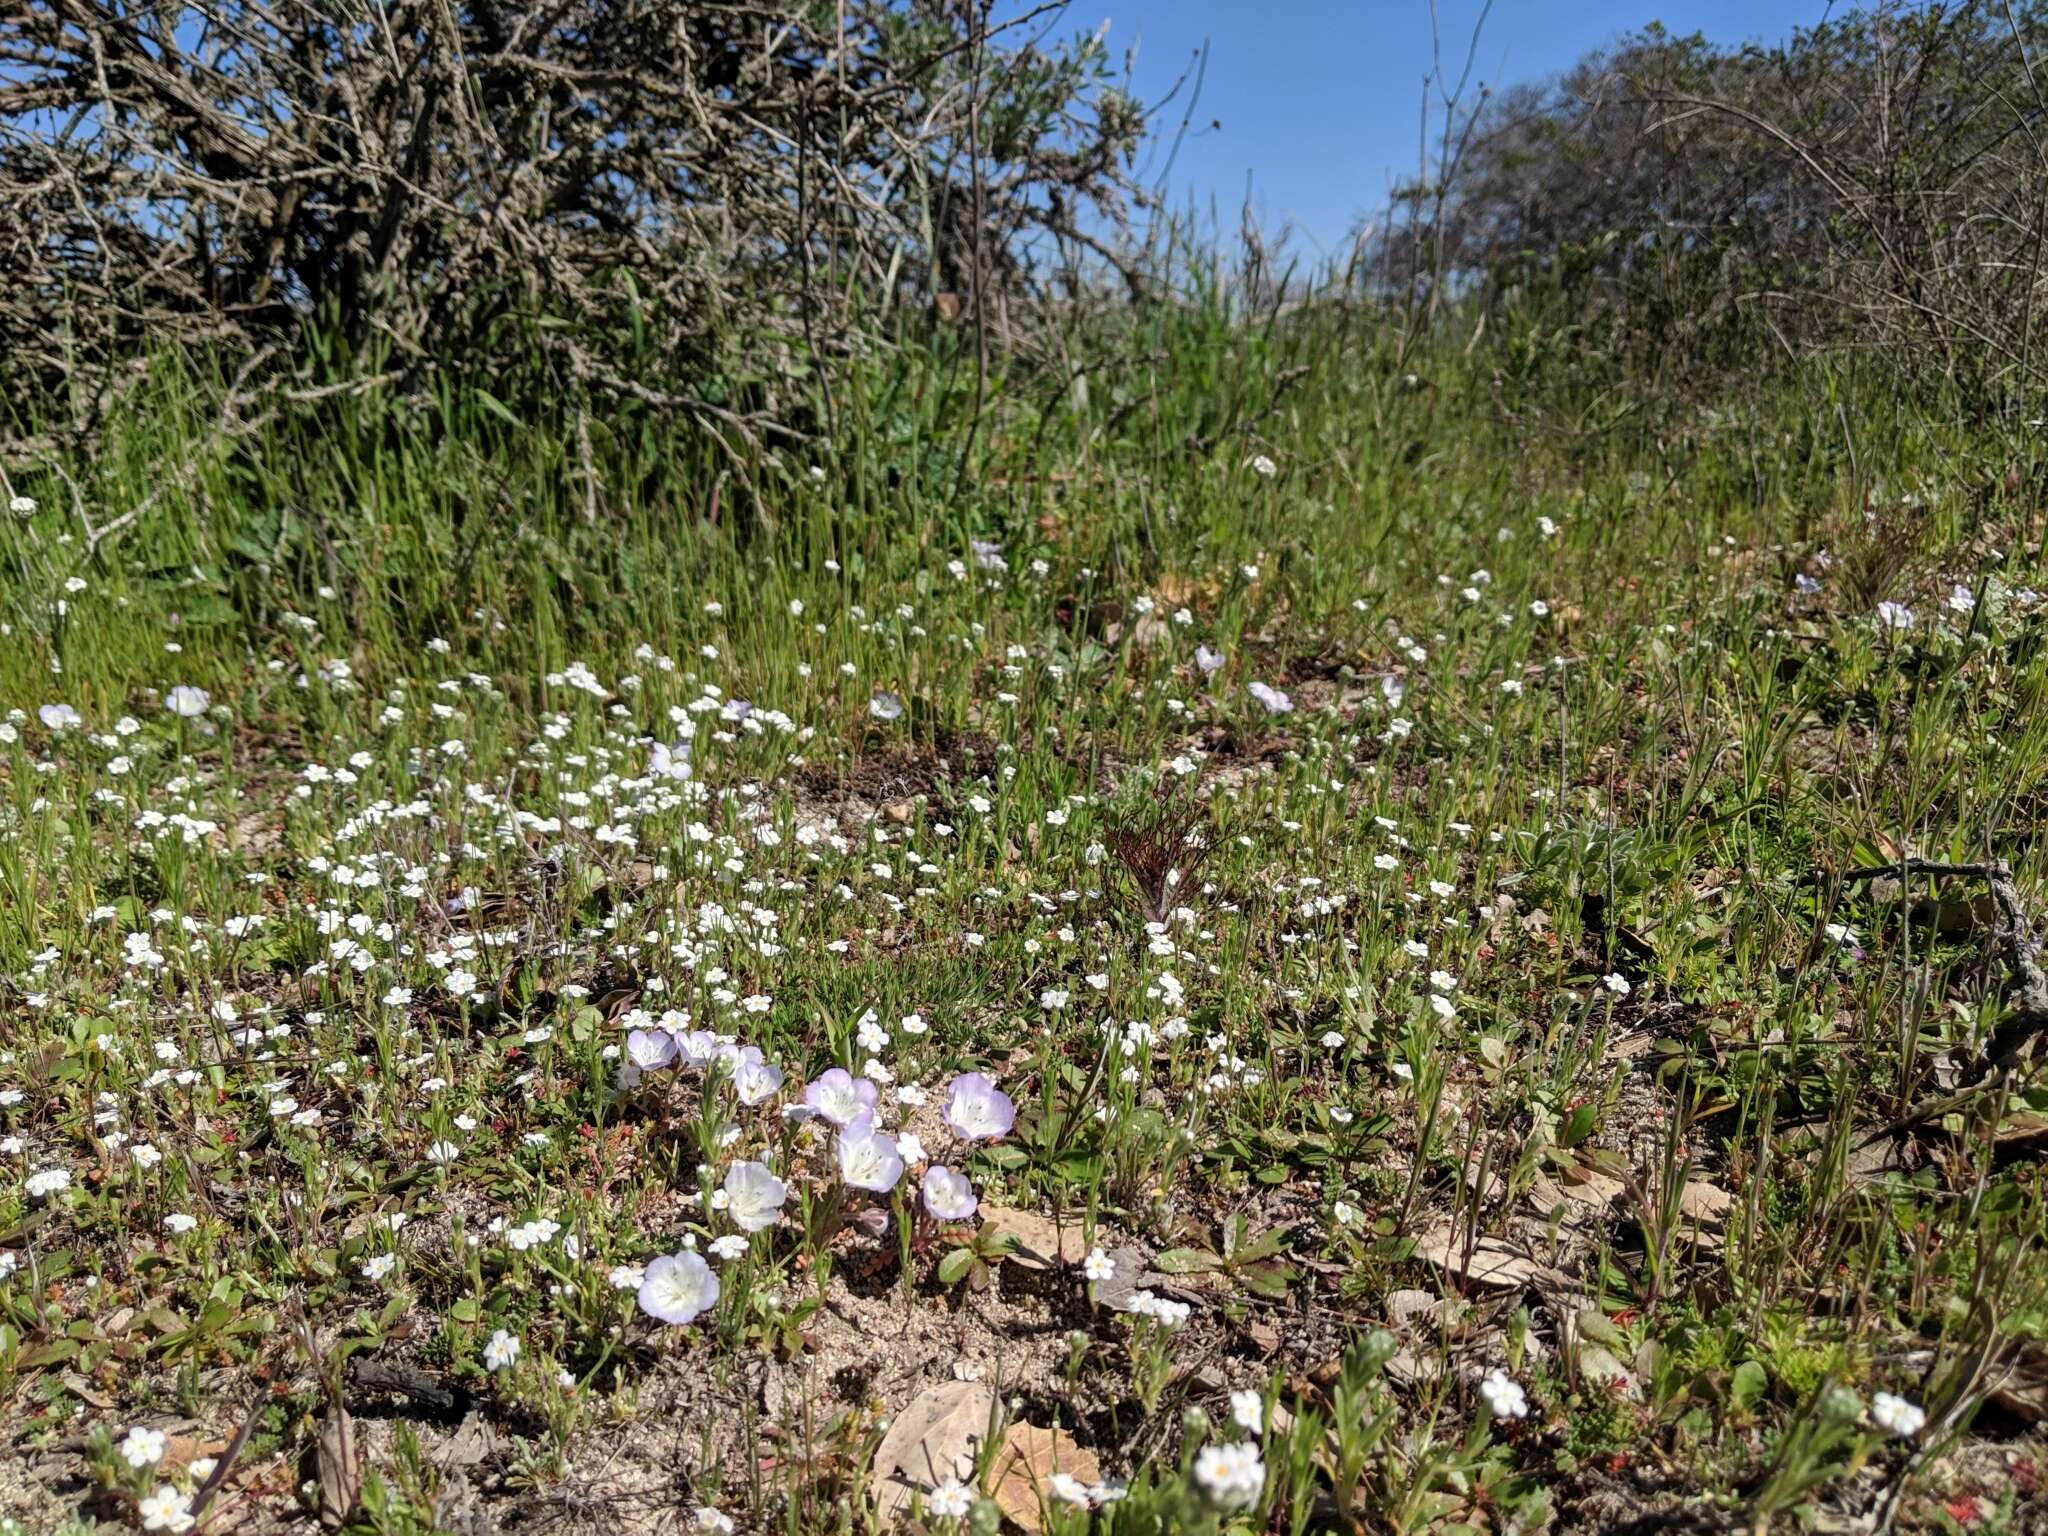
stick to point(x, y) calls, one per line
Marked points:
point(938, 1435)
point(1705, 1204)
point(2020, 1387)
point(340, 1468)
point(1041, 1243)
point(1492, 1263)
point(1024, 1467)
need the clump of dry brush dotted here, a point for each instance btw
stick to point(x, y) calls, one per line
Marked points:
point(659, 198)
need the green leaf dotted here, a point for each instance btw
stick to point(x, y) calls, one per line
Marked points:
point(1751, 1382)
point(1186, 1261)
point(954, 1266)
point(55, 1352)
point(1267, 1280)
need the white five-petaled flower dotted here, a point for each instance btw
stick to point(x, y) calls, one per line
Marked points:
point(187, 702)
point(48, 1181)
point(1232, 1476)
point(950, 1500)
point(1504, 1396)
point(143, 1447)
point(165, 1510)
point(502, 1353)
point(1098, 1265)
point(1248, 1411)
point(1895, 1416)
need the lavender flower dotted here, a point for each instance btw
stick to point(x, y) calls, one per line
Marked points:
point(753, 1196)
point(867, 1158)
point(978, 1110)
point(948, 1195)
point(840, 1097)
point(1276, 702)
point(648, 1049)
point(755, 1080)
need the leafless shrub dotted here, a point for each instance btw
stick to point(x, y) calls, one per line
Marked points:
point(1878, 181)
point(666, 197)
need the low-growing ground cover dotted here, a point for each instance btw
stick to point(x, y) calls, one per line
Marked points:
point(1253, 969)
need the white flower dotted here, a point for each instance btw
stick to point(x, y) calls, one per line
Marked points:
point(443, 1152)
point(1895, 1416)
point(1248, 1411)
point(1263, 467)
point(709, 1519)
point(1504, 1395)
point(1894, 615)
point(754, 1196)
point(678, 1288)
point(142, 1447)
point(502, 1353)
point(1098, 1265)
point(1068, 1489)
point(47, 1182)
point(188, 703)
point(1616, 983)
point(180, 1222)
point(1231, 1475)
point(58, 717)
point(950, 1500)
point(165, 1510)
point(729, 1247)
point(377, 1267)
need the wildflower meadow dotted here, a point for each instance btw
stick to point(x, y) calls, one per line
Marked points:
point(1227, 901)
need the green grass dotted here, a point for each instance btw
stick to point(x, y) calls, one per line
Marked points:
point(1495, 936)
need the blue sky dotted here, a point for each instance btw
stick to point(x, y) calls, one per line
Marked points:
point(1319, 100)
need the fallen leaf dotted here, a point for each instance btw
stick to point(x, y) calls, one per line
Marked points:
point(1704, 1204)
point(1041, 1243)
point(1023, 1472)
point(2020, 1385)
point(472, 1443)
point(1491, 1262)
point(340, 1468)
point(938, 1435)
point(84, 1391)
